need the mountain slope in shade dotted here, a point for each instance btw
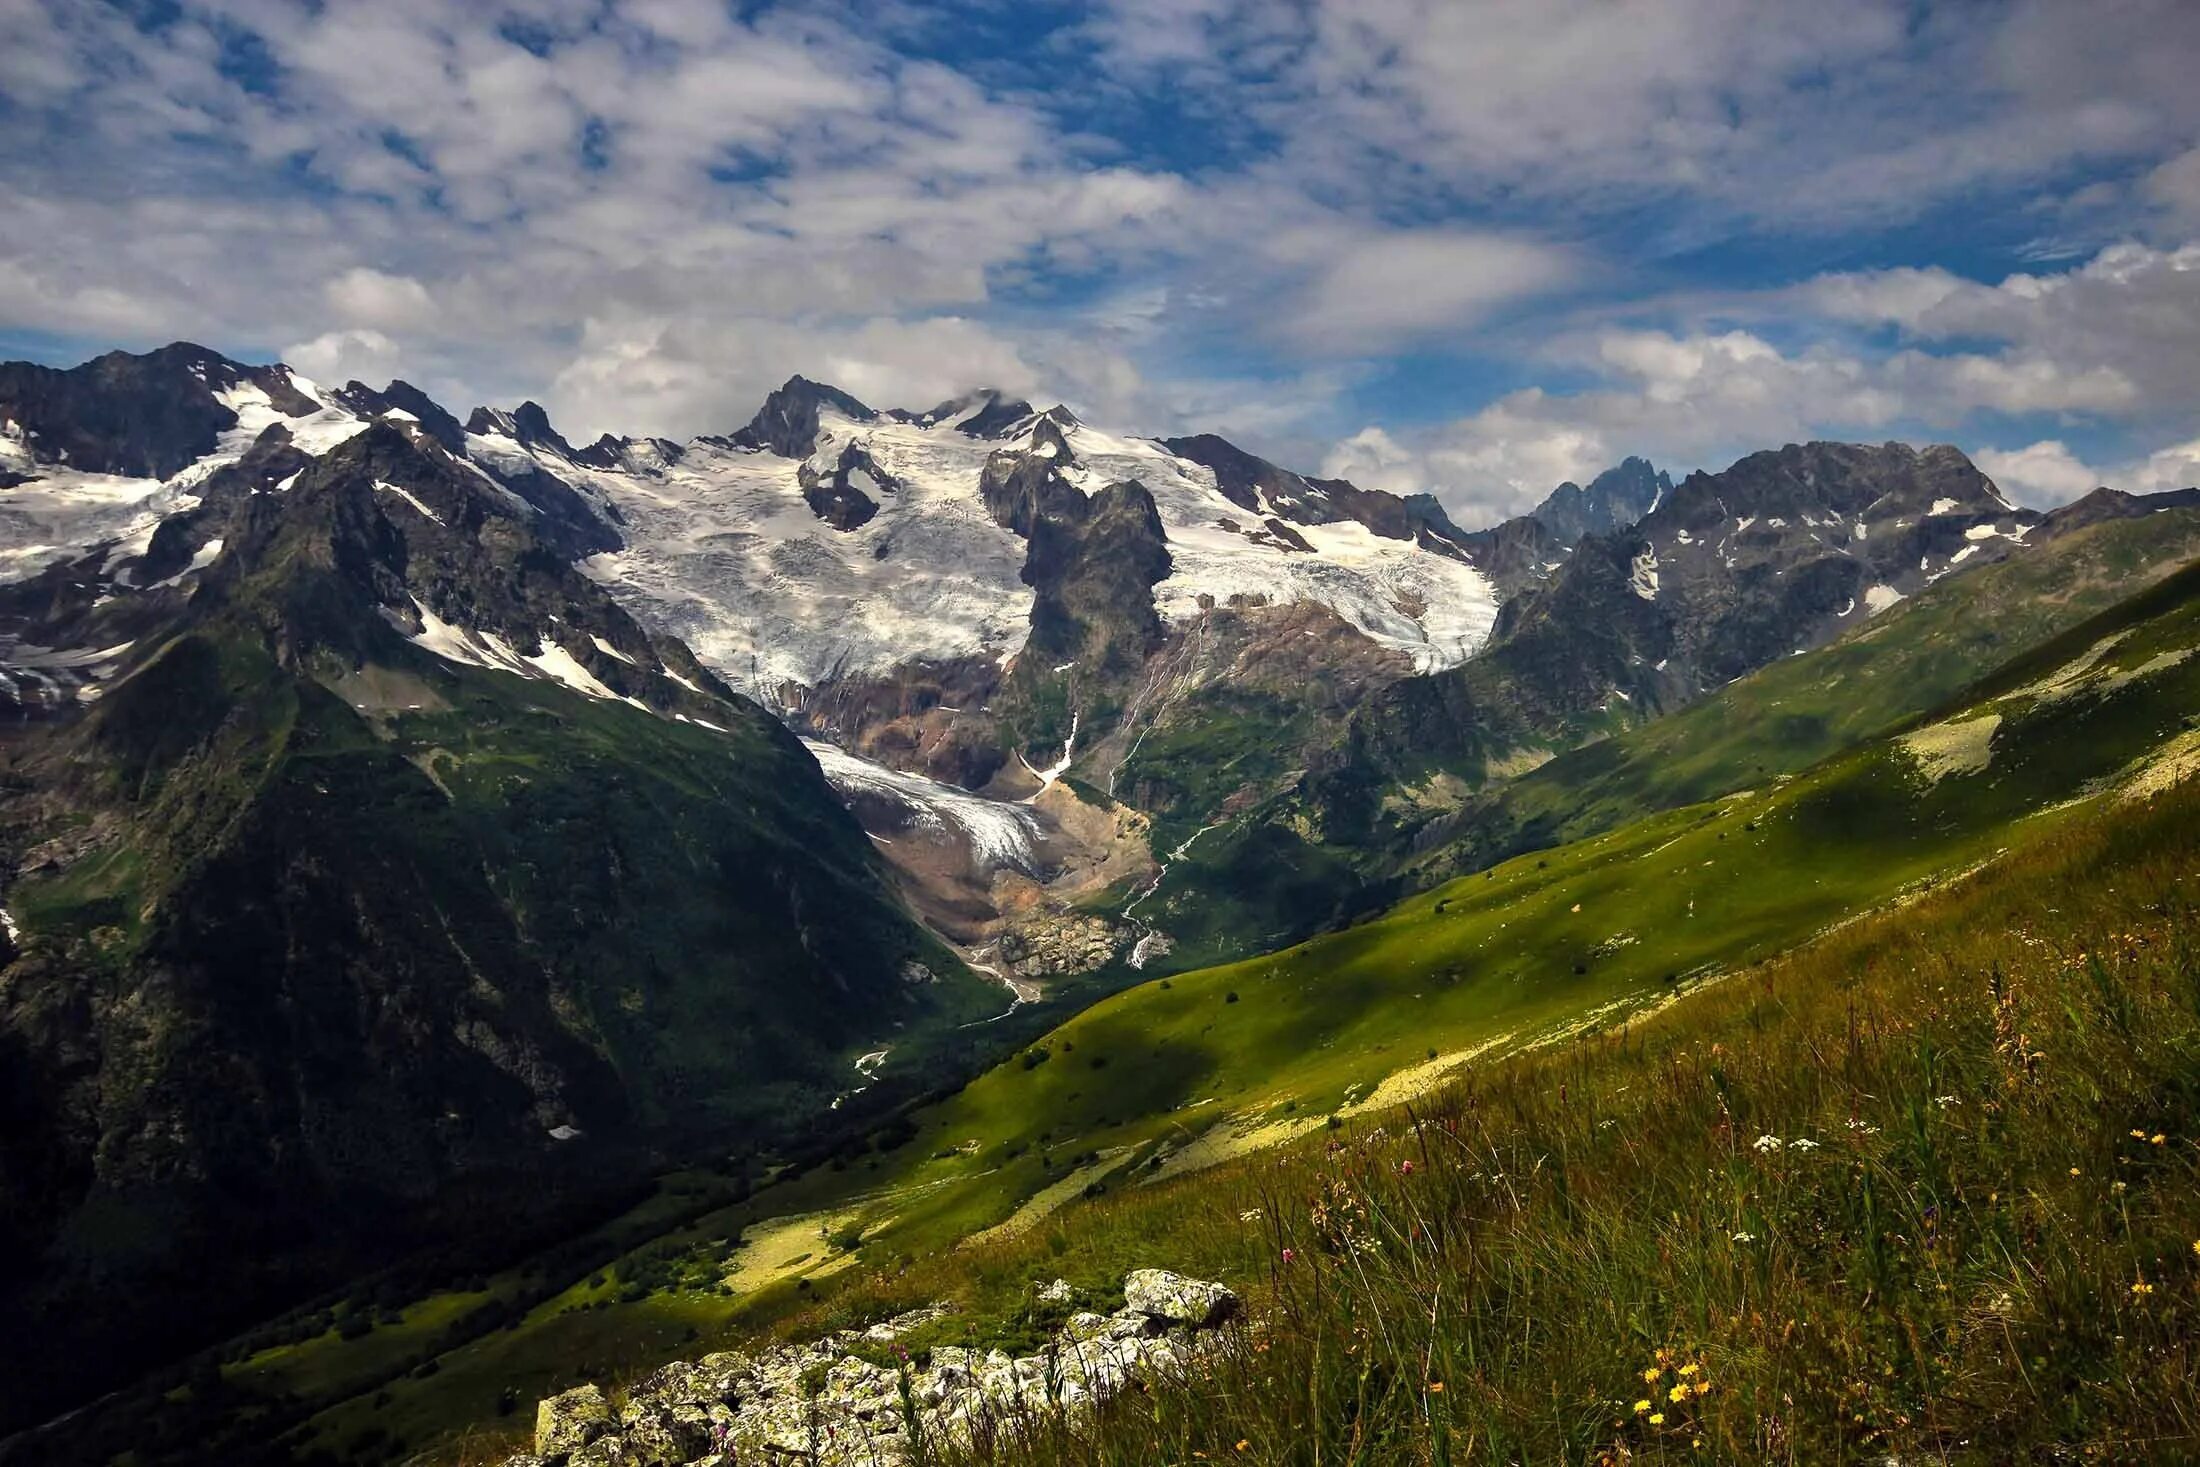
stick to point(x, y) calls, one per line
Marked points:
point(397, 858)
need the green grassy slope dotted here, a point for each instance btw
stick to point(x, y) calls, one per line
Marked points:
point(1795, 712)
point(1926, 1190)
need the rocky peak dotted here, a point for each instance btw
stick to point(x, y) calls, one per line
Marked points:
point(787, 422)
point(1000, 417)
point(528, 425)
point(146, 415)
point(1255, 484)
point(402, 398)
point(634, 455)
point(1615, 499)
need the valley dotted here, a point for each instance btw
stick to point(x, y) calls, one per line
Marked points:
point(1141, 1094)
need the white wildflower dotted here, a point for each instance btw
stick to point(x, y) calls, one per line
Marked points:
point(1769, 1143)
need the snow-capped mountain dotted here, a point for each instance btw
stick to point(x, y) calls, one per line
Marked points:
point(826, 540)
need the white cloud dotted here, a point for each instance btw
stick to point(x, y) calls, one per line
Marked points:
point(2048, 473)
point(1377, 290)
point(336, 357)
point(2043, 473)
point(370, 298)
point(656, 209)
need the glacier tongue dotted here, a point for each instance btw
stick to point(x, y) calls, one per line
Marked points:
point(999, 834)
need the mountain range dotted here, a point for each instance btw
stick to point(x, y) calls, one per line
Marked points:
point(404, 811)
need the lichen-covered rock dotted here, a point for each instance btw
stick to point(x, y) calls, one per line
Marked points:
point(821, 1405)
point(1174, 1299)
point(566, 1423)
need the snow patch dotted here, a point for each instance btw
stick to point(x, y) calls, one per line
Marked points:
point(1642, 576)
point(410, 498)
point(1879, 598)
point(201, 558)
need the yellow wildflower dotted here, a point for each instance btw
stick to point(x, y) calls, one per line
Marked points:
point(1435, 1387)
point(1678, 1393)
point(1651, 1375)
point(2075, 1172)
point(1657, 1418)
point(1690, 1368)
point(2142, 1288)
point(1244, 1442)
point(2156, 1139)
point(1641, 1406)
point(2138, 1135)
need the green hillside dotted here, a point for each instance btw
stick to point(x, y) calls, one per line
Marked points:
point(1297, 863)
point(1797, 711)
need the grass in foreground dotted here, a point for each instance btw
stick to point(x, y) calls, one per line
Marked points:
point(1923, 1191)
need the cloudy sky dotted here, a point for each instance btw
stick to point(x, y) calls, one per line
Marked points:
point(1472, 246)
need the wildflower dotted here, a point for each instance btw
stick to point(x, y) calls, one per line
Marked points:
point(1405, 1168)
point(1700, 1388)
point(1745, 1237)
point(2138, 1135)
point(1767, 1143)
point(1244, 1442)
point(1288, 1255)
point(2141, 1289)
point(2117, 1188)
point(1435, 1387)
point(1690, 1368)
point(1250, 1215)
point(2196, 1245)
point(1803, 1143)
point(2156, 1139)
point(2076, 1173)
point(1641, 1407)
point(1657, 1418)
point(1678, 1394)
point(1651, 1375)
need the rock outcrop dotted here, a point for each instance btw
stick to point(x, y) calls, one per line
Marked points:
point(826, 1404)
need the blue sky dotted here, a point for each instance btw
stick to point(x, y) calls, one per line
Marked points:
point(1469, 246)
